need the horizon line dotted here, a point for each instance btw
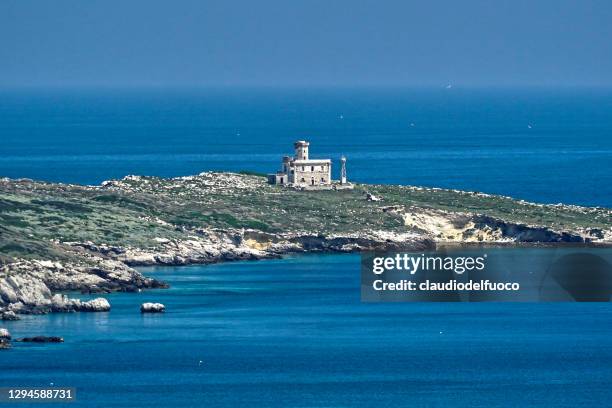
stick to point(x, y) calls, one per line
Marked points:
point(448, 87)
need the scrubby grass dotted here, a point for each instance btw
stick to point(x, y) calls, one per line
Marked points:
point(134, 211)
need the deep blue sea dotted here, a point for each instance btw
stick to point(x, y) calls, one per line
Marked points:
point(293, 333)
point(542, 145)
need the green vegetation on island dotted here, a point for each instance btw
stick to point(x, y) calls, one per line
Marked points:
point(135, 211)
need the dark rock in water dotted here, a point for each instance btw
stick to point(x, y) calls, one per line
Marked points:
point(42, 339)
point(152, 308)
point(10, 315)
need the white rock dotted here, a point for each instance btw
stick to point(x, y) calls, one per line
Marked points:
point(95, 305)
point(4, 334)
point(47, 264)
point(152, 308)
point(63, 302)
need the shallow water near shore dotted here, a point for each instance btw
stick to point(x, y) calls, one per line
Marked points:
point(293, 332)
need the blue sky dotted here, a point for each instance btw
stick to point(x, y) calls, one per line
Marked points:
point(308, 43)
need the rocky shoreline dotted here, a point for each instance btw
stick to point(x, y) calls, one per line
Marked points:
point(28, 287)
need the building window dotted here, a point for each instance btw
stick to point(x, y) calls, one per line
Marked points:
point(312, 181)
point(282, 181)
point(312, 168)
point(302, 179)
point(322, 180)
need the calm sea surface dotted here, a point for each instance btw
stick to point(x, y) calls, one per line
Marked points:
point(293, 332)
point(540, 145)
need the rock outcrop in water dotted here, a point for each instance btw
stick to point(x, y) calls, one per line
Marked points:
point(8, 315)
point(5, 339)
point(28, 287)
point(152, 308)
point(61, 303)
point(42, 339)
point(58, 237)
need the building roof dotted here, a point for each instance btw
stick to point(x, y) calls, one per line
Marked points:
point(311, 161)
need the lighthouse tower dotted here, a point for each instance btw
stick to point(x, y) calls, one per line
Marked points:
point(343, 170)
point(301, 150)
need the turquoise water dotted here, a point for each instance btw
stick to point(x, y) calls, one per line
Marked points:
point(293, 332)
point(542, 145)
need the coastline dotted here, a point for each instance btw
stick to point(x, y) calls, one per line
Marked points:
point(220, 217)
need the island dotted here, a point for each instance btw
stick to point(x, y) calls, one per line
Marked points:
point(63, 237)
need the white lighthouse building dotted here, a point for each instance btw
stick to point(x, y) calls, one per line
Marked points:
point(303, 172)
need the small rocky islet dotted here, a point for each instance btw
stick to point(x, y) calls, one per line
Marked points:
point(60, 237)
point(149, 307)
point(5, 339)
